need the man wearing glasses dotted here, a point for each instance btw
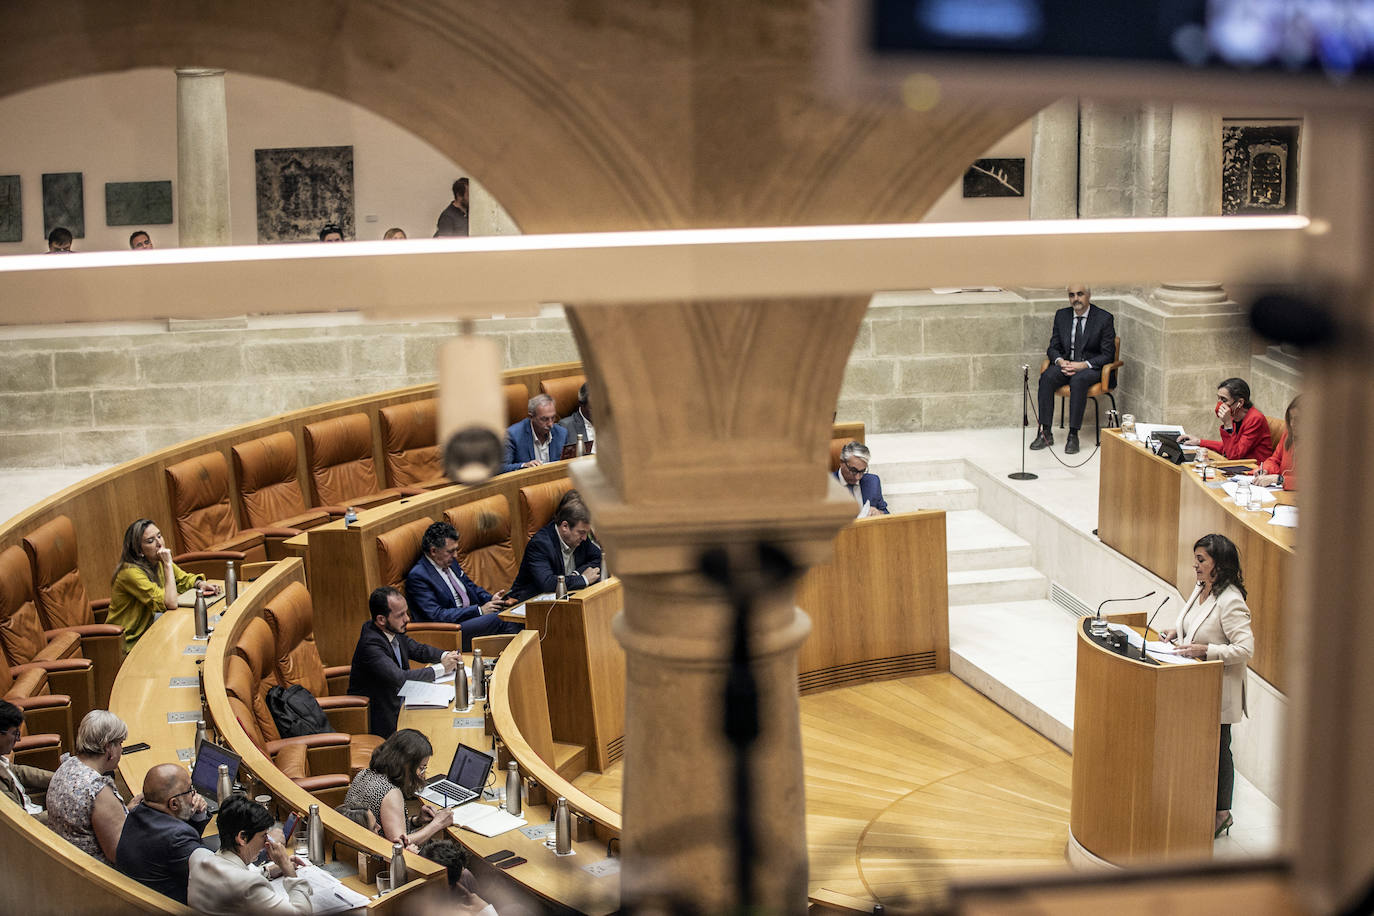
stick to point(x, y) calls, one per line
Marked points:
point(161, 833)
point(865, 488)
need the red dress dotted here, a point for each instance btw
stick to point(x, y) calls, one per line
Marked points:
point(1247, 441)
point(1281, 462)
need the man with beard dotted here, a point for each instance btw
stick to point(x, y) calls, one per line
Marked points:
point(381, 661)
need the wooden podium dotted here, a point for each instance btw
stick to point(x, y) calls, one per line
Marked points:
point(1145, 743)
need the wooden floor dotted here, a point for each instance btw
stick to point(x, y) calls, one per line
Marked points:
point(916, 781)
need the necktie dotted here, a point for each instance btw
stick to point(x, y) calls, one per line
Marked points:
point(1077, 337)
point(396, 647)
point(854, 491)
point(456, 584)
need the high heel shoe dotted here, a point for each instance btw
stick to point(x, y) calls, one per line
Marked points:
point(1224, 827)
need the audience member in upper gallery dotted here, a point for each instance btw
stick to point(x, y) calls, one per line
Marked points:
point(579, 422)
point(161, 833)
point(60, 240)
point(439, 590)
point(84, 806)
point(381, 660)
point(1082, 341)
point(1280, 469)
point(865, 488)
point(394, 233)
point(393, 775)
point(1244, 430)
point(563, 547)
point(140, 587)
point(331, 233)
point(140, 240)
point(225, 883)
point(454, 220)
point(25, 785)
point(536, 440)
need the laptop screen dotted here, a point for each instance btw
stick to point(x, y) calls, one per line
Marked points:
point(470, 768)
point(205, 776)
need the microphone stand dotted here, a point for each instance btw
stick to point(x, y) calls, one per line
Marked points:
point(1023, 474)
point(1145, 637)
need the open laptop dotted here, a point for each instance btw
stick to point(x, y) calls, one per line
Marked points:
point(205, 774)
point(570, 450)
point(467, 775)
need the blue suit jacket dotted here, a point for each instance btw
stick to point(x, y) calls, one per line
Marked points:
point(520, 444)
point(156, 849)
point(870, 488)
point(542, 564)
point(431, 598)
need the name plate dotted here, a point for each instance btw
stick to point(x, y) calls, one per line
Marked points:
point(468, 722)
point(185, 754)
point(175, 718)
point(184, 682)
point(195, 650)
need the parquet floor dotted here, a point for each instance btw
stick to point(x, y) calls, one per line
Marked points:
point(915, 781)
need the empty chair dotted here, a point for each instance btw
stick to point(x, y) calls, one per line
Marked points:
point(485, 549)
point(25, 642)
point(198, 490)
point(538, 503)
point(397, 551)
point(63, 603)
point(517, 402)
point(270, 494)
point(410, 444)
point(563, 391)
point(44, 712)
point(338, 452)
point(1276, 430)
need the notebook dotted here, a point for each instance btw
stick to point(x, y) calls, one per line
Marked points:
point(467, 774)
point(188, 598)
point(205, 774)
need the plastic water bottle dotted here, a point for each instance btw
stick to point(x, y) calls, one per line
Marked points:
point(350, 517)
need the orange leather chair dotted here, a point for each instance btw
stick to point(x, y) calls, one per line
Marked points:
point(338, 452)
point(538, 502)
point(269, 493)
point(62, 602)
point(26, 644)
point(397, 551)
point(1276, 430)
point(517, 402)
point(410, 437)
point(205, 530)
point(485, 549)
point(1103, 388)
point(44, 712)
point(563, 391)
point(837, 446)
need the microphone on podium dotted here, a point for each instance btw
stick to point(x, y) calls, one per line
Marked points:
point(1149, 623)
point(1097, 627)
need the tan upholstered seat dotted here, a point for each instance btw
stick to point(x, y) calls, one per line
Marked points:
point(485, 549)
point(1103, 387)
point(538, 502)
point(62, 602)
point(44, 711)
point(397, 551)
point(563, 391)
point(837, 446)
point(25, 642)
point(338, 452)
point(205, 528)
point(410, 444)
point(1276, 430)
point(269, 492)
point(517, 402)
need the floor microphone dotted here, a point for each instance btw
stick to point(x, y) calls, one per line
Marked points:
point(1149, 623)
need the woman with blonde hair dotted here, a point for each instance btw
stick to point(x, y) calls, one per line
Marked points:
point(84, 807)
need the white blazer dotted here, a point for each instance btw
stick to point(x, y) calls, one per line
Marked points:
point(220, 884)
point(1222, 622)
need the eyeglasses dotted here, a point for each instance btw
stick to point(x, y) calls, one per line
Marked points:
point(856, 471)
point(180, 794)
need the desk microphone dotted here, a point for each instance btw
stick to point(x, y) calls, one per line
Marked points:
point(1145, 637)
point(1098, 615)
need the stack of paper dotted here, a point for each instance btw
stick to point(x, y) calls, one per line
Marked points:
point(424, 695)
point(327, 894)
point(1285, 516)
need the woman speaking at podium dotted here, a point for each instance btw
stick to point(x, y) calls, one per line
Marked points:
point(1215, 625)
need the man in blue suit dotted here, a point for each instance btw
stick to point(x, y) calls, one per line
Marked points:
point(441, 592)
point(537, 440)
point(863, 486)
point(564, 548)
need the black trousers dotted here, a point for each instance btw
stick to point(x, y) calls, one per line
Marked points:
point(1226, 771)
point(1052, 379)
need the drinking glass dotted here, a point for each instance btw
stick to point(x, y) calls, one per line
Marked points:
point(383, 882)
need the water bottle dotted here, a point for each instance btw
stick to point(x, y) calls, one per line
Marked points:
point(461, 700)
point(200, 735)
point(479, 684)
point(202, 618)
point(350, 517)
point(562, 827)
point(224, 787)
point(231, 582)
point(560, 590)
point(581, 446)
point(513, 788)
point(315, 834)
point(398, 865)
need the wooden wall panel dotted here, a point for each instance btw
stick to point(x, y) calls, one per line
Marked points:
point(1137, 504)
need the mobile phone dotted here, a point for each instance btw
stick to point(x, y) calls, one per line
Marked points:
point(135, 748)
point(289, 828)
point(512, 862)
point(498, 856)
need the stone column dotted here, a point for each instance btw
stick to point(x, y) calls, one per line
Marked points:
point(709, 436)
point(202, 158)
point(1054, 161)
point(1194, 162)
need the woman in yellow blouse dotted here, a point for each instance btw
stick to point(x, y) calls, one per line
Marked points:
point(140, 588)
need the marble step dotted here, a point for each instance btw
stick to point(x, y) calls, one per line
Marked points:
point(947, 494)
point(986, 586)
point(912, 471)
point(974, 540)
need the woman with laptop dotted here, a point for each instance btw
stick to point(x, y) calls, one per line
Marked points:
point(140, 588)
point(395, 773)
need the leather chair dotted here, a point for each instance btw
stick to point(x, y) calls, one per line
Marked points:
point(62, 602)
point(538, 502)
point(517, 402)
point(44, 712)
point(198, 489)
point(837, 446)
point(1276, 430)
point(338, 452)
point(269, 493)
point(1103, 388)
point(485, 549)
point(397, 551)
point(25, 643)
point(563, 391)
point(410, 445)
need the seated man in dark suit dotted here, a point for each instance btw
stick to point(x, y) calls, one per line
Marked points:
point(25, 785)
point(579, 422)
point(866, 488)
point(381, 661)
point(440, 591)
point(563, 547)
point(536, 440)
point(1082, 342)
point(161, 833)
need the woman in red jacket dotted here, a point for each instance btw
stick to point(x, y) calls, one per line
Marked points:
point(1244, 431)
point(1279, 468)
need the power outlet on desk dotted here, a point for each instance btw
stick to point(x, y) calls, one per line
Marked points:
point(603, 869)
point(174, 718)
point(538, 831)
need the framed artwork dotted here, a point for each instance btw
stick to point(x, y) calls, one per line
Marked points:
point(1259, 166)
point(300, 190)
point(138, 203)
point(64, 203)
point(996, 178)
point(11, 210)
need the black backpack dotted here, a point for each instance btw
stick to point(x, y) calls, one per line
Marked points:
point(296, 712)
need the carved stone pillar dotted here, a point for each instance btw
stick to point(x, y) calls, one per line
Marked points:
point(202, 158)
point(1194, 162)
point(713, 427)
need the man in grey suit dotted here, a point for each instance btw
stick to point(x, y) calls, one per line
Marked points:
point(579, 422)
